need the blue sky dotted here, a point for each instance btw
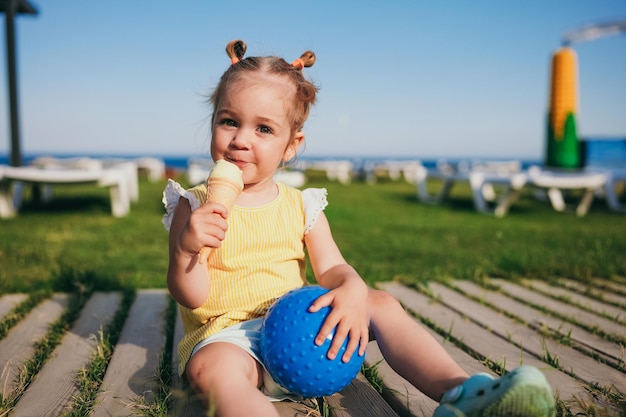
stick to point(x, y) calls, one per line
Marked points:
point(404, 78)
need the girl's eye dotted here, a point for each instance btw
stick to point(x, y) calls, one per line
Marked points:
point(228, 122)
point(265, 129)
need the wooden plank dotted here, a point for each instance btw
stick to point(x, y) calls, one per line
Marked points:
point(295, 409)
point(359, 399)
point(184, 401)
point(17, 346)
point(596, 292)
point(481, 340)
point(579, 300)
point(570, 360)
point(135, 361)
point(616, 285)
point(137, 370)
point(608, 351)
point(54, 386)
point(8, 303)
point(566, 310)
point(403, 397)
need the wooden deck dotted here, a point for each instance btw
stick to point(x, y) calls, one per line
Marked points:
point(576, 334)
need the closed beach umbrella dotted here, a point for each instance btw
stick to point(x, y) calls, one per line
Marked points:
point(12, 8)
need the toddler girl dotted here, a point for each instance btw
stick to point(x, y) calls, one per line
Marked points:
point(259, 247)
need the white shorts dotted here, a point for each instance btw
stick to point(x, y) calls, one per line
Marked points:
point(247, 336)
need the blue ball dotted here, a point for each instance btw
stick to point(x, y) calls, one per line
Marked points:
point(289, 352)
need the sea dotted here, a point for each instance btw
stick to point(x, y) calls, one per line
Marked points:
point(607, 153)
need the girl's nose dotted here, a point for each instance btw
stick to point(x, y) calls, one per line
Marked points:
point(241, 140)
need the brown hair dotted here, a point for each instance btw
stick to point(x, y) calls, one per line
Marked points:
point(305, 90)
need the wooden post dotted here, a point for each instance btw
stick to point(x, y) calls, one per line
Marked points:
point(11, 8)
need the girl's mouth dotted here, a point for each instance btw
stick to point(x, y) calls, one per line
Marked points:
point(237, 162)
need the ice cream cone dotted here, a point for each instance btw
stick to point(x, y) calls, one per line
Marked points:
point(223, 186)
point(223, 191)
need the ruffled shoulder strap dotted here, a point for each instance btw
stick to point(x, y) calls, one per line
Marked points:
point(172, 194)
point(314, 201)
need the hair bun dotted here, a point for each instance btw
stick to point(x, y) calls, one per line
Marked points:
point(306, 60)
point(235, 50)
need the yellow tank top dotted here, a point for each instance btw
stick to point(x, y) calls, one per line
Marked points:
point(261, 258)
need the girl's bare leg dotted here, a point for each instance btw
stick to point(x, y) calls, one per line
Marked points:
point(223, 374)
point(409, 349)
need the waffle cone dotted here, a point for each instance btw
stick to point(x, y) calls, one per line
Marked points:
point(220, 190)
point(224, 192)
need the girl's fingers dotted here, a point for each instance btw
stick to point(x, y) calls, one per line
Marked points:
point(213, 208)
point(321, 302)
point(358, 340)
point(341, 327)
point(206, 229)
point(338, 338)
point(365, 339)
point(326, 330)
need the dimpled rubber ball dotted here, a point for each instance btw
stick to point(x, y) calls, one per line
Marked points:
point(289, 352)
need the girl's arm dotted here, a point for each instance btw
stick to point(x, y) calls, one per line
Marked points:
point(347, 296)
point(187, 279)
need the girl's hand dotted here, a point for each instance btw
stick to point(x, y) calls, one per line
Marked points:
point(348, 317)
point(206, 227)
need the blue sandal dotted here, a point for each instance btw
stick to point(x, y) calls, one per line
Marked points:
point(523, 392)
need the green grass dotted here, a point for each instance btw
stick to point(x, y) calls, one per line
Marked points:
point(382, 229)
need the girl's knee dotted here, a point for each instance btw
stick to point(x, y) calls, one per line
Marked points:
point(195, 369)
point(382, 300)
point(214, 363)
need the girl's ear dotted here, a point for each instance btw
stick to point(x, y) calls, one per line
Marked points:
point(294, 145)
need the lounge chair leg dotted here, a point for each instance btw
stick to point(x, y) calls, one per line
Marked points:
point(585, 203)
point(556, 198)
point(18, 194)
point(477, 183)
point(507, 200)
point(489, 193)
point(46, 193)
point(438, 198)
point(120, 200)
point(7, 208)
point(612, 195)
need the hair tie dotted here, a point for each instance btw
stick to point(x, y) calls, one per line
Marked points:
point(298, 63)
point(306, 60)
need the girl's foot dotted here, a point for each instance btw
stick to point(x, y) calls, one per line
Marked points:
point(523, 392)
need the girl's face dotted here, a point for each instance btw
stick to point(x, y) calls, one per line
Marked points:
point(252, 130)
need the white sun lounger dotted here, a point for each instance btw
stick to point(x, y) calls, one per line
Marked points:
point(336, 170)
point(553, 182)
point(198, 171)
point(115, 179)
point(395, 170)
point(615, 185)
point(130, 167)
point(556, 182)
point(154, 168)
point(484, 179)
